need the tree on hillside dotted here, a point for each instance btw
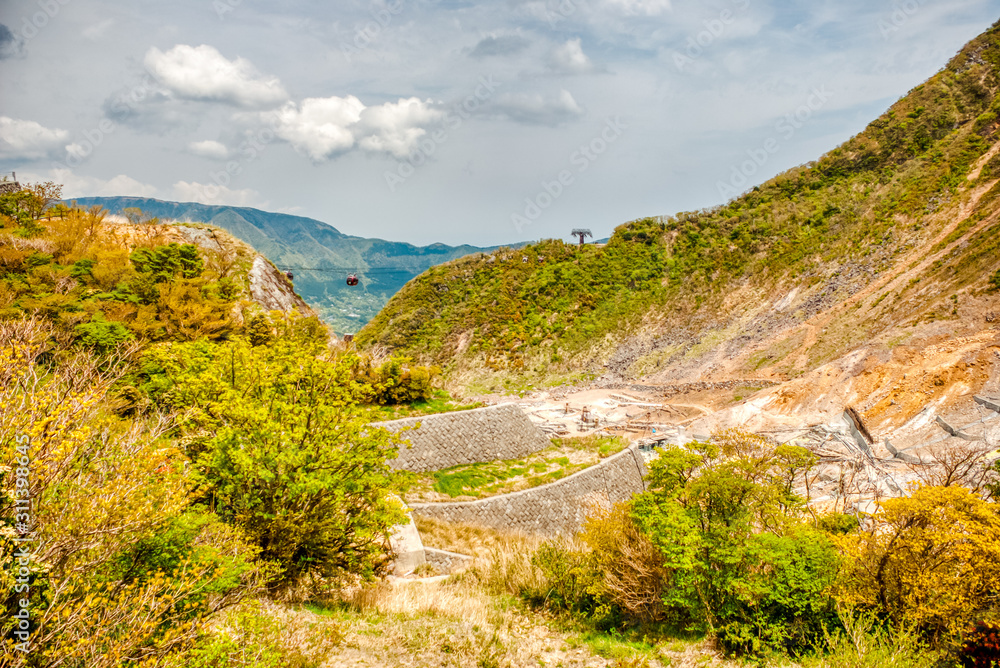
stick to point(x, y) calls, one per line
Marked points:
point(284, 453)
point(137, 216)
point(43, 195)
point(930, 561)
point(740, 558)
point(97, 531)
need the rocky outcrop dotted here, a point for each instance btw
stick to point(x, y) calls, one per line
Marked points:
point(273, 290)
point(269, 287)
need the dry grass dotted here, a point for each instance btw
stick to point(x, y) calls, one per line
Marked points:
point(449, 623)
point(456, 623)
point(471, 620)
point(475, 620)
point(471, 539)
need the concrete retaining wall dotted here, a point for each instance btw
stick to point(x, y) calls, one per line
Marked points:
point(466, 437)
point(445, 561)
point(557, 508)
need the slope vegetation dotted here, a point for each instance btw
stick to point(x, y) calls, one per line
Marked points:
point(102, 283)
point(891, 237)
point(303, 244)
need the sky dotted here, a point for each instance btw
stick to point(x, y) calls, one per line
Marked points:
point(454, 121)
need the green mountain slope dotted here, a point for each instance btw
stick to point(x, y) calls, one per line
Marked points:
point(301, 244)
point(752, 287)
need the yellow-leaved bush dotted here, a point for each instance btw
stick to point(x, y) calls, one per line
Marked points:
point(930, 562)
point(115, 565)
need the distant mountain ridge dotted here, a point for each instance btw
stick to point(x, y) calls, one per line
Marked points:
point(319, 255)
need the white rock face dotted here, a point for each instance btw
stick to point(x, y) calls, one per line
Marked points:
point(268, 286)
point(272, 290)
point(204, 237)
point(993, 436)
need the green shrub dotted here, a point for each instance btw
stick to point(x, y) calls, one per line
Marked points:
point(255, 634)
point(101, 335)
point(282, 451)
point(164, 263)
point(995, 281)
point(837, 523)
point(120, 565)
point(82, 268)
point(258, 330)
point(740, 559)
point(569, 576)
point(395, 382)
point(861, 640)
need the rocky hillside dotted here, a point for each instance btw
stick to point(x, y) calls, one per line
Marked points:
point(884, 250)
point(100, 283)
point(319, 255)
point(266, 285)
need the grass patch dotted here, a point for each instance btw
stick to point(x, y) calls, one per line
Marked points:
point(474, 481)
point(441, 402)
point(614, 645)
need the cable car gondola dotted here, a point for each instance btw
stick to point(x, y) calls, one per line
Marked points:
point(352, 280)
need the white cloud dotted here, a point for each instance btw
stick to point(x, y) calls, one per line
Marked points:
point(20, 139)
point(322, 128)
point(88, 186)
point(395, 127)
point(536, 109)
point(209, 193)
point(78, 151)
point(209, 148)
point(202, 73)
point(569, 58)
point(319, 127)
point(639, 7)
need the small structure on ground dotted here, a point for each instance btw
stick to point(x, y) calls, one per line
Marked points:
point(9, 185)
